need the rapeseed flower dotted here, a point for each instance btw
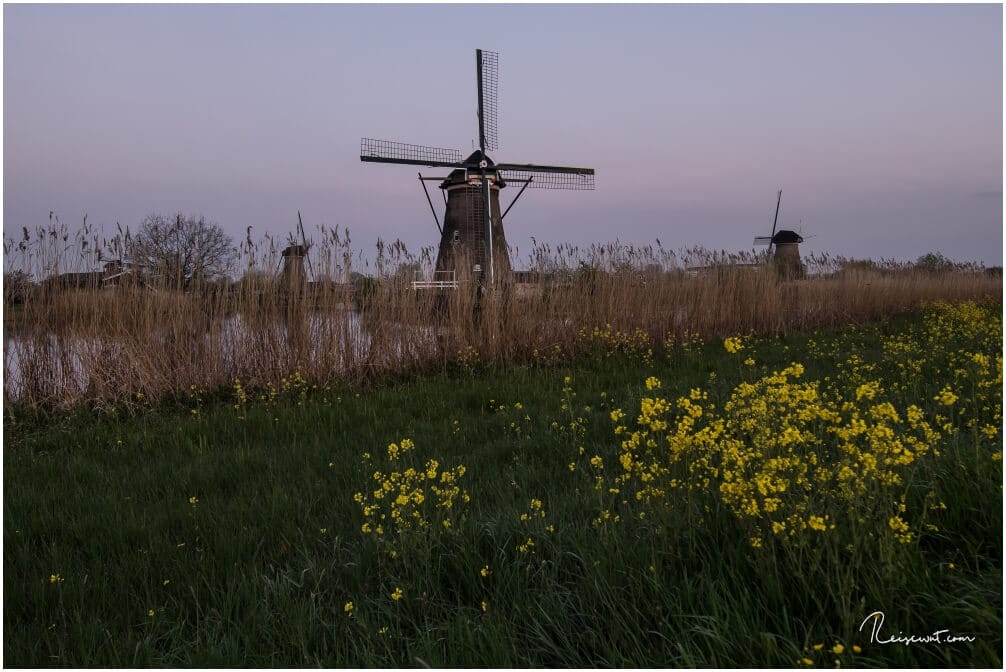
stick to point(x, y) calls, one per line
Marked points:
point(946, 397)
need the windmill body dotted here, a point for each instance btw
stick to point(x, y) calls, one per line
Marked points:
point(464, 241)
point(787, 254)
point(293, 265)
point(472, 242)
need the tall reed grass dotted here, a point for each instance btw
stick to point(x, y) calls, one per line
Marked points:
point(360, 319)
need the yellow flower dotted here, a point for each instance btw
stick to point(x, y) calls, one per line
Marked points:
point(733, 344)
point(150, 613)
point(397, 594)
point(484, 571)
point(485, 606)
point(807, 661)
point(868, 390)
point(193, 500)
point(856, 648)
point(55, 578)
point(946, 397)
point(348, 608)
point(837, 649)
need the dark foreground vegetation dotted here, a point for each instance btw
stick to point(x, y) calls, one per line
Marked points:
point(729, 502)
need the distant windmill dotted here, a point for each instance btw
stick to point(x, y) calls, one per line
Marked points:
point(472, 242)
point(787, 246)
point(294, 256)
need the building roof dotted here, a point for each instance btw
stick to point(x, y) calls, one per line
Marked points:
point(458, 174)
point(784, 237)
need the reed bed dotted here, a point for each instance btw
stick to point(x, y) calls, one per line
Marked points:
point(359, 319)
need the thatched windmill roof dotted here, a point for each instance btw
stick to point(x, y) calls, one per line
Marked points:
point(785, 237)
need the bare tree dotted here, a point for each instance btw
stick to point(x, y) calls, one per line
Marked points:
point(182, 251)
point(16, 285)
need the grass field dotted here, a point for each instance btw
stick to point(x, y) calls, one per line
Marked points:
point(738, 502)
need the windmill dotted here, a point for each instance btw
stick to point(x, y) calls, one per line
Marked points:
point(787, 246)
point(472, 242)
point(294, 256)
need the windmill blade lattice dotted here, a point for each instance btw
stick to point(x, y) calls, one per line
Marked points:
point(487, 73)
point(551, 179)
point(476, 214)
point(386, 151)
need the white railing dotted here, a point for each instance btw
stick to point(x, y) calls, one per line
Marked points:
point(441, 280)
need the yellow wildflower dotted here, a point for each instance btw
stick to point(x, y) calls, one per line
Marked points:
point(946, 397)
point(733, 344)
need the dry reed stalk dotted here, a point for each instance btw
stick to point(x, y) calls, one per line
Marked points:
point(64, 347)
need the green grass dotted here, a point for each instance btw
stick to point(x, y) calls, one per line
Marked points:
point(258, 571)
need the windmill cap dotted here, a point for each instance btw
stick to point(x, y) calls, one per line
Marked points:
point(476, 157)
point(784, 237)
point(458, 175)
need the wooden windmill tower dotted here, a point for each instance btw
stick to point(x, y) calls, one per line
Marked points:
point(472, 242)
point(787, 247)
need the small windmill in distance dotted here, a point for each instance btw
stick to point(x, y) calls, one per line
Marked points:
point(472, 242)
point(294, 256)
point(787, 246)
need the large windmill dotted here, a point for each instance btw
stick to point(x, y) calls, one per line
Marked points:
point(472, 243)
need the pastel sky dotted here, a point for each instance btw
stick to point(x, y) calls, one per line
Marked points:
point(882, 124)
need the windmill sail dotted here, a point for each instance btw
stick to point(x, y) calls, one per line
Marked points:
point(548, 177)
point(487, 76)
point(386, 151)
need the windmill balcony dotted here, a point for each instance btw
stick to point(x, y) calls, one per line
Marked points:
point(441, 280)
